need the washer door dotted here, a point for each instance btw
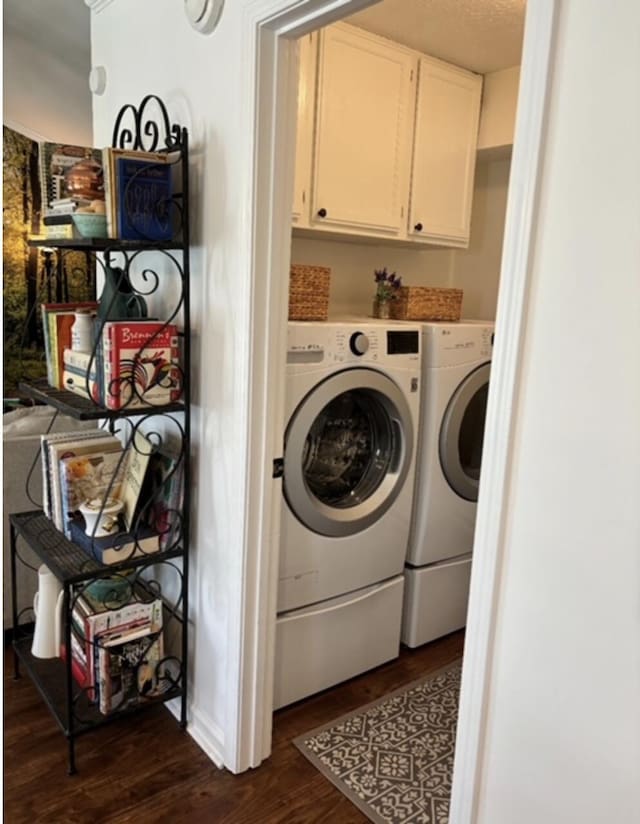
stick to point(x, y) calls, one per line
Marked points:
point(462, 433)
point(347, 452)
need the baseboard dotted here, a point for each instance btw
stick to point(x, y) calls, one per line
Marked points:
point(207, 735)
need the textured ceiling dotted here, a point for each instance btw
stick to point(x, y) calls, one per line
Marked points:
point(480, 35)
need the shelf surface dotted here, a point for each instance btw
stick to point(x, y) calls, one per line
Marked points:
point(83, 409)
point(104, 244)
point(49, 676)
point(68, 562)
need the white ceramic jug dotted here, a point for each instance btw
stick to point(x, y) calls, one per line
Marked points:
point(47, 606)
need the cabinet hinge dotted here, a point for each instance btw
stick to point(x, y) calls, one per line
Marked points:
point(304, 196)
point(402, 211)
point(278, 467)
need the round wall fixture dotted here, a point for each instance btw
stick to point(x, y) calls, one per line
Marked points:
point(98, 79)
point(203, 14)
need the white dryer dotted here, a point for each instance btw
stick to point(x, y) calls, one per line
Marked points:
point(456, 363)
point(352, 406)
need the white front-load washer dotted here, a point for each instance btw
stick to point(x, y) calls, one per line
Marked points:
point(352, 408)
point(456, 363)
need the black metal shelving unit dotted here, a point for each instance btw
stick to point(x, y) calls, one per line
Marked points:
point(164, 573)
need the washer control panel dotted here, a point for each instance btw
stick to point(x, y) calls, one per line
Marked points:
point(350, 343)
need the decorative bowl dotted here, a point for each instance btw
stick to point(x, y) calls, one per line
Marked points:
point(90, 224)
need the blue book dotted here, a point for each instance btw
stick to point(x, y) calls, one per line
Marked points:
point(122, 546)
point(143, 199)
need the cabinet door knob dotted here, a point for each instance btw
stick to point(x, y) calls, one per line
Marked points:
point(418, 227)
point(322, 212)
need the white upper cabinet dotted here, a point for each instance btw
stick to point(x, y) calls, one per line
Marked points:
point(444, 153)
point(365, 107)
point(308, 56)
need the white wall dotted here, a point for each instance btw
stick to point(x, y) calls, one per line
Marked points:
point(352, 266)
point(563, 734)
point(149, 47)
point(476, 270)
point(45, 83)
point(499, 103)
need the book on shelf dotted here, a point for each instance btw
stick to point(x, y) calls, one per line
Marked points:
point(128, 665)
point(165, 490)
point(97, 621)
point(78, 367)
point(70, 172)
point(86, 477)
point(140, 364)
point(138, 190)
point(121, 546)
point(57, 320)
point(55, 450)
point(58, 219)
point(46, 441)
point(78, 667)
point(139, 452)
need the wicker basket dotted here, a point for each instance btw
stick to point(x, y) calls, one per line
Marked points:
point(427, 303)
point(309, 292)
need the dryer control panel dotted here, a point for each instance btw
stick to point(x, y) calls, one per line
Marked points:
point(449, 344)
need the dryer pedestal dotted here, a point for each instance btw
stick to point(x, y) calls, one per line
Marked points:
point(436, 599)
point(321, 645)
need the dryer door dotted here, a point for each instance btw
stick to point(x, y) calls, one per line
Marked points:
point(348, 448)
point(462, 433)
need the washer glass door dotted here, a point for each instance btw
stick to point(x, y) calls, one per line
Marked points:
point(347, 452)
point(462, 433)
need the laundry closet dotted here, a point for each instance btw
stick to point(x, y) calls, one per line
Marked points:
point(380, 476)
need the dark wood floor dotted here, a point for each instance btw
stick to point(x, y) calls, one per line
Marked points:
point(148, 770)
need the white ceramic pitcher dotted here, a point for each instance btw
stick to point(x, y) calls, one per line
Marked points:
point(47, 606)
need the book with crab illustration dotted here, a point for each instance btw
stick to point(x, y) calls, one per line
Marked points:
point(141, 364)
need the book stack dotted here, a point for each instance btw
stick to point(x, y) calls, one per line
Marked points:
point(93, 465)
point(116, 653)
point(57, 320)
point(71, 180)
point(79, 466)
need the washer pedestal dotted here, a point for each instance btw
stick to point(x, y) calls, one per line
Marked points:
point(321, 645)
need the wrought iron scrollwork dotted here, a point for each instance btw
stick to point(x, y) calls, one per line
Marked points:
point(147, 127)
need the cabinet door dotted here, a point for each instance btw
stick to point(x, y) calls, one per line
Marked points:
point(364, 123)
point(444, 153)
point(308, 52)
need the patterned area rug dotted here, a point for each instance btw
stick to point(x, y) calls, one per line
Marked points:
point(393, 758)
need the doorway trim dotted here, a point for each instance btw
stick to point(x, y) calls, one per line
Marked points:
point(271, 76)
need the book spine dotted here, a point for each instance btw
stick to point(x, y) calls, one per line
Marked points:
point(109, 192)
point(64, 232)
point(46, 331)
point(53, 348)
point(64, 322)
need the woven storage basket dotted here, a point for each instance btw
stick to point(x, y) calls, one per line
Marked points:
point(427, 303)
point(309, 292)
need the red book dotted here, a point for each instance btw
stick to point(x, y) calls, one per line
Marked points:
point(78, 670)
point(140, 364)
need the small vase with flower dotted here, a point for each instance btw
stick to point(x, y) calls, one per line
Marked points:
point(387, 285)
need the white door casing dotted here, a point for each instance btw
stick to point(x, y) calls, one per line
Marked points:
point(274, 90)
